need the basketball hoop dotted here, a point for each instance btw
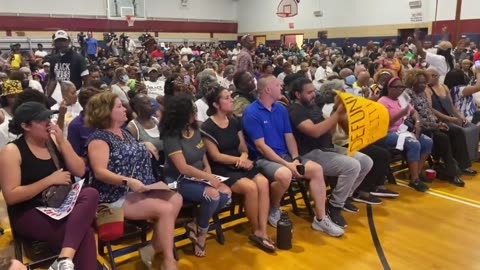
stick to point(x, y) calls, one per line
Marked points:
point(130, 20)
point(283, 14)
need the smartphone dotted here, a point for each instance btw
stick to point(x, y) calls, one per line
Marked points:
point(301, 169)
point(477, 65)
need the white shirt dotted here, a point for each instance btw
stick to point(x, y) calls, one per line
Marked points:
point(120, 92)
point(155, 89)
point(35, 85)
point(202, 108)
point(131, 46)
point(40, 54)
point(72, 112)
point(186, 50)
point(281, 77)
point(322, 73)
point(5, 136)
point(236, 51)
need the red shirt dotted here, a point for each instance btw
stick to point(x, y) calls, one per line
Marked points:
point(157, 54)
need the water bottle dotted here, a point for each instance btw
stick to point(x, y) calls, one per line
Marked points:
point(284, 232)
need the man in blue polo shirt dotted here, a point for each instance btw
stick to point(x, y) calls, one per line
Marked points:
point(269, 137)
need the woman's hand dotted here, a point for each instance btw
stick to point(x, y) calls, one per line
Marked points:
point(136, 185)
point(443, 126)
point(214, 181)
point(59, 177)
point(56, 132)
point(457, 121)
point(244, 162)
point(418, 129)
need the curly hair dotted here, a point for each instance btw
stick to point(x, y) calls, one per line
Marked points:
point(327, 93)
point(99, 109)
point(411, 77)
point(205, 79)
point(178, 114)
point(85, 95)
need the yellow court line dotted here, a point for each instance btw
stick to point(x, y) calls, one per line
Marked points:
point(436, 191)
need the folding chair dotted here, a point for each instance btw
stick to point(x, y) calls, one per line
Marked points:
point(132, 230)
point(298, 185)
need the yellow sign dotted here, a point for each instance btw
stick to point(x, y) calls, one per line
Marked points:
point(368, 121)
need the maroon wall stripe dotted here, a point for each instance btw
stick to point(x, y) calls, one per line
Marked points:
point(103, 25)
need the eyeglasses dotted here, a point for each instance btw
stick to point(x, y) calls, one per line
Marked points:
point(398, 87)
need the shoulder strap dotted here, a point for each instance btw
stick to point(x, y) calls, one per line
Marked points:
point(134, 122)
point(51, 149)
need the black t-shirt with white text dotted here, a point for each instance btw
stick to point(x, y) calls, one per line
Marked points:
point(299, 113)
point(68, 67)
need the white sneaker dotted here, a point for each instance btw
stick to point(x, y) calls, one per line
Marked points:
point(65, 264)
point(147, 253)
point(274, 216)
point(327, 226)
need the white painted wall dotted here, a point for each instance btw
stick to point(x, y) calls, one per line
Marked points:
point(259, 16)
point(470, 9)
point(57, 7)
point(212, 10)
point(225, 10)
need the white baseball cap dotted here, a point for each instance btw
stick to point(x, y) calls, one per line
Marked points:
point(60, 34)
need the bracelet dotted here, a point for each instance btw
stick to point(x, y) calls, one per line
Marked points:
point(296, 158)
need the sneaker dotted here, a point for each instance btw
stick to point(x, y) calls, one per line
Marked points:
point(146, 254)
point(372, 200)
point(274, 216)
point(418, 186)
point(383, 192)
point(335, 215)
point(327, 226)
point(349, 207)
point(63, 264)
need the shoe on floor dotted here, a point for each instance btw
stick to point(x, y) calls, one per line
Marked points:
point(418, 186)
point(63, 264)
point(457, 181)
point(327, 226)
point(147, 254)
point(385, 193)
point(274, 216)
point(335, 215)
point(469, 172)
point(349, 207)
point(370, 199)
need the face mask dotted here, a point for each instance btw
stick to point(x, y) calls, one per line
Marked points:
point(125, 78)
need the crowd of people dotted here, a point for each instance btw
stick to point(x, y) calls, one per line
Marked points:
point(216, 121)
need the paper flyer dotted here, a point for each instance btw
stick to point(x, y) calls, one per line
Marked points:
point(67, 206)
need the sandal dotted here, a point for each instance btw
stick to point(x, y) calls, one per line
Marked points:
point(191, 232)
point(260, 242)
point(196, 244)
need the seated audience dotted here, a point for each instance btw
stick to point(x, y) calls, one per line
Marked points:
point(244, 92)
point(416, 145)
point(439, 98)
point(270, 139)
point(121, 164)
point(444, 139)
point(228, 156)
point(35, 162)
point(186, 163)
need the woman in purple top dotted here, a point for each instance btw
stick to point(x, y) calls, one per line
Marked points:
point(78, 133)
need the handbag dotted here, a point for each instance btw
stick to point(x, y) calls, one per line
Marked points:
point(109, 222)
point(410, 123)
point(55, 195)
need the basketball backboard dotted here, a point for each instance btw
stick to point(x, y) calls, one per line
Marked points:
point(119, 9)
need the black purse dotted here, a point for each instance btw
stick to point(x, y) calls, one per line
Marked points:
point(410, 123)
point(55, 195)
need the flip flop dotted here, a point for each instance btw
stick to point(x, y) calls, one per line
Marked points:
point(202, 249)
point(259, 241)
point(191, 233)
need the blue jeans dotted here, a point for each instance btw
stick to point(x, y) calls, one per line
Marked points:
point(413, 148)
point(194, 192)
